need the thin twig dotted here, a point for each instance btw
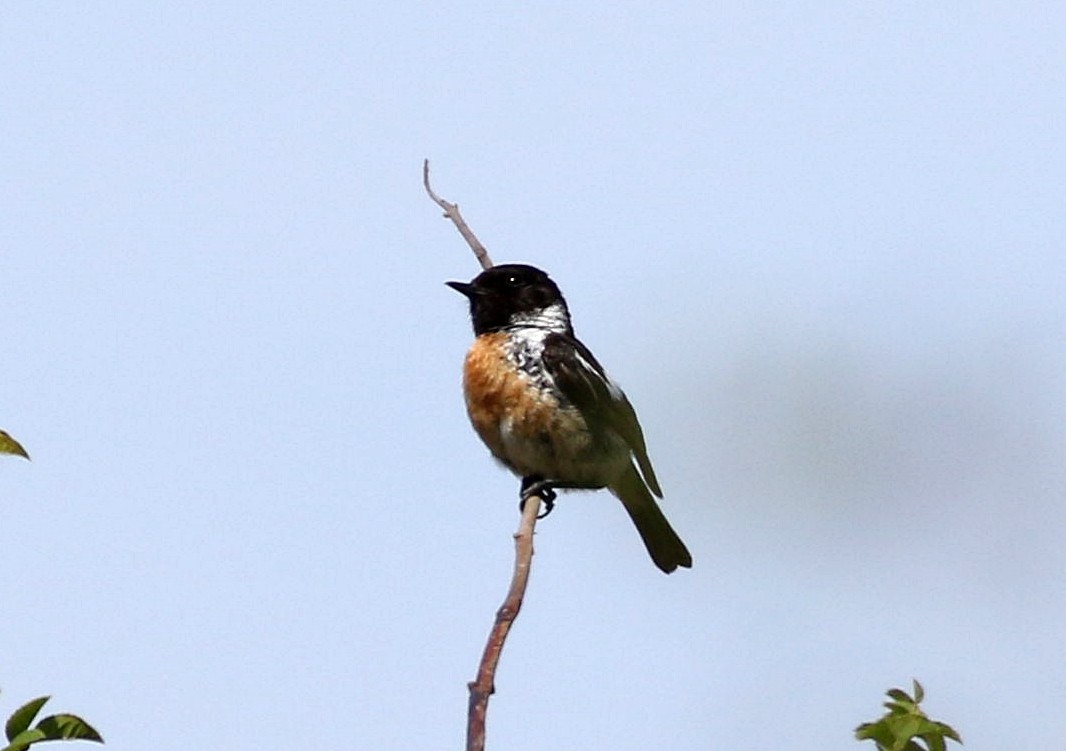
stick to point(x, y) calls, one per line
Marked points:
point(484, 686)
point(451, 211)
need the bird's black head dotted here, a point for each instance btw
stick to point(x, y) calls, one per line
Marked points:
point(514, 294)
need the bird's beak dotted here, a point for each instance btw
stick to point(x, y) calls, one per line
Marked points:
point(464, 288)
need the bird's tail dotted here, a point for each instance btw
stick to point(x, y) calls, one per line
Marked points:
point(659, 537)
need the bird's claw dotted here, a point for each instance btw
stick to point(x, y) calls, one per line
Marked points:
point(539, 488)
point(549, 505)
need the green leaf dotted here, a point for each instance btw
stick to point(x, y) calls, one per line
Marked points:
point(23, 740)
point(23, 716)
point(934, 742)
point(907, 727)
point(877, 732)
point(900, 695)
point(919, 692)
point(68, 727)
point(937, 733)
point(9, 445)
point(949, 732)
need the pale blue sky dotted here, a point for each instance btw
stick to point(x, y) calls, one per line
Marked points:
point(820, 244)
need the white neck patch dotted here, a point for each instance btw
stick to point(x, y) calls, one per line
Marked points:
point(552, 318)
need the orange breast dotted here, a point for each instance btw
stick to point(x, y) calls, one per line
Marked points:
point(498, 395)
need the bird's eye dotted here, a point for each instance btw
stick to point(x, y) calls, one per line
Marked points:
point(512, 281)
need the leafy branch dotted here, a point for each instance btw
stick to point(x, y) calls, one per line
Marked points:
point(57, 727)
point(905, 727)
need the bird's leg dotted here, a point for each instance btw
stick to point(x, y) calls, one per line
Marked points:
point(537, 485)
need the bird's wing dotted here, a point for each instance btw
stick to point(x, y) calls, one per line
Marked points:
point(584, 382)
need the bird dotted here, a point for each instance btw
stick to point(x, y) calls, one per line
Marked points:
point(547, 410)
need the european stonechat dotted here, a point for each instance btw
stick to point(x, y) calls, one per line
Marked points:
point(546, 409)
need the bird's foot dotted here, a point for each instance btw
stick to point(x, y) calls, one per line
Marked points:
point(537, 486)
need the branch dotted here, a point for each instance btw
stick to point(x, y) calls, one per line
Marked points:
point(451, 211)
point(484, 686)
